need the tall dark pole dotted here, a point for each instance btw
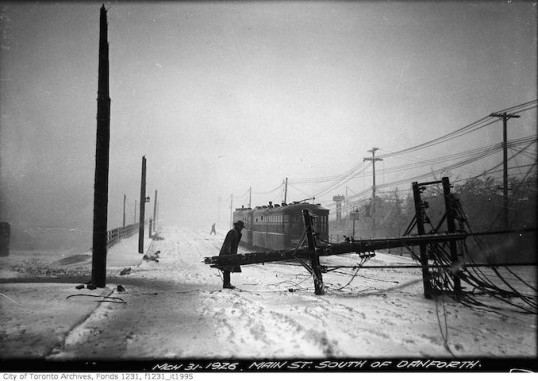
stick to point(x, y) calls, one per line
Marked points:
point(155, 212)
point(314, 255)
point(419, 215)
point(100, 197)
point(451, 228)
point(142, 207)
point(504, 116)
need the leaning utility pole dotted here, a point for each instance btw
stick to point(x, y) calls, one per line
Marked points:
point(100, 198)
point(315, 265)
point(142, 207)
point(373, 159)
point(504, 116)
point(450, 205)
point(421, 219)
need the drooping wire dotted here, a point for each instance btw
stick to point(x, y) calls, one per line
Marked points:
point(474, 276)
point(444, 334)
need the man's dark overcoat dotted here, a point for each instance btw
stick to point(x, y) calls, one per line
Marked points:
point(230, 245)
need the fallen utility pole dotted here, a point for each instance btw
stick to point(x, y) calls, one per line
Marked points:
point(362, 246)
point(369, 246)
point(100, 198)
point(463, 266)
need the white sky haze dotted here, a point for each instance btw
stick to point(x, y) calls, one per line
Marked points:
point(221, 96)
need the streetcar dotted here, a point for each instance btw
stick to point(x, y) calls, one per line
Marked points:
point(280, 227)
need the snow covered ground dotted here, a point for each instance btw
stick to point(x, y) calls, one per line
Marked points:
point(175, 308)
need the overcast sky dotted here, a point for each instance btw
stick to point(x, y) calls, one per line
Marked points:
point(224, 96)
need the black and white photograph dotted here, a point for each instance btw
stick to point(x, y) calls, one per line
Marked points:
point(268, 186)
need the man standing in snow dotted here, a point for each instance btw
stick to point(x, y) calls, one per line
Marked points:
point(231, 242)
point(213, 231)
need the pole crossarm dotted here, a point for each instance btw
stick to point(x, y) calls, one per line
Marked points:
point(373, 158)
point(503, 115)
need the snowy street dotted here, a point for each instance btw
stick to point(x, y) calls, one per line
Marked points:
point(176, 308)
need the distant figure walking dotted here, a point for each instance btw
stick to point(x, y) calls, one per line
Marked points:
point(213, 231)
point(230, 245)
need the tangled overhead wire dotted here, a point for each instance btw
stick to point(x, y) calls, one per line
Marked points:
point(364, 258)
point(493, 282)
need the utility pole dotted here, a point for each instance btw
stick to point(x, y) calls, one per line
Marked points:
point(504, 116)
point(100, 198)
point(142, 207)
point(286, 191)
point(155, 212)
point(124, 200)
point(451, 228)
point(373, 159)
point(250, 197)
point(421, 230)
point(314, 255)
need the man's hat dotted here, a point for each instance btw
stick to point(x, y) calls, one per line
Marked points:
point(239, 223)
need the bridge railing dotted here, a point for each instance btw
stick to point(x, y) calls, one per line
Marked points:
point(115, 235)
